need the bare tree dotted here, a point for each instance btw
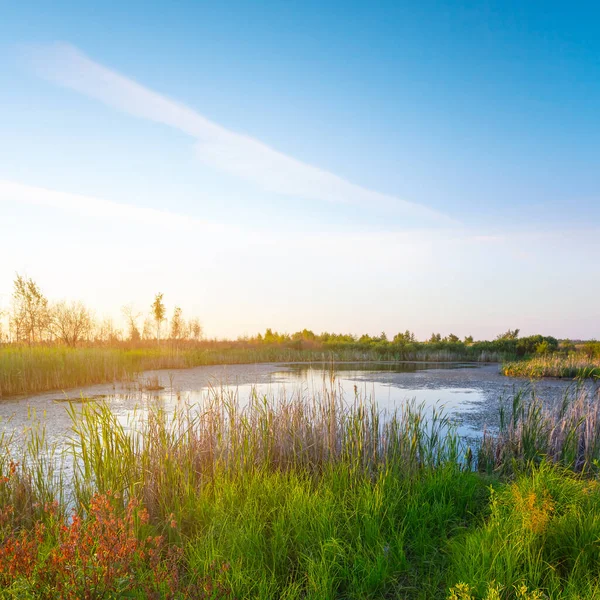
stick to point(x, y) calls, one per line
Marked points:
point(132, 317)
point(3, 313)
point(107, 332)
point(158, 312)
point(30, 316)
point(148, 329)
point(196, 329)
point(177, 325)
point(71, 322)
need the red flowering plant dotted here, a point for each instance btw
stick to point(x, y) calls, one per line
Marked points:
point(99, 555)
point(22, 532)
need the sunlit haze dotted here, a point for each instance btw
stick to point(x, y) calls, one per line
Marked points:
point(295, 165)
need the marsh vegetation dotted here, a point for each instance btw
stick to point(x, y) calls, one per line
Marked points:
point(321, 497)
point(573, 365)
point(309, 496)
point(59, 345)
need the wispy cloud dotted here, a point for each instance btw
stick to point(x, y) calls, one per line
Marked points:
point(109, 211)
point(216, 146)
point(383, 242)
point(90, 206)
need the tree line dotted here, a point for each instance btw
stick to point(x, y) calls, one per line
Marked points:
point(507, 343)
point(33, 319)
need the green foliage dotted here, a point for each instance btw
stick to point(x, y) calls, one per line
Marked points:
point(591, 349)
point(159, 313)
point(309, 499)
point(511, 334)
point(541, 534)
point(407, 337)
point(30, 369)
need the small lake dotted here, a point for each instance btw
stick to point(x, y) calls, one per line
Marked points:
point(469, 393)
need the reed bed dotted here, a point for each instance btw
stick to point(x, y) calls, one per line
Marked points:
point(567, 434)
point(182, 453)
point(302, 497)
point(29, 370)
point(26, 370)
point(570, 367)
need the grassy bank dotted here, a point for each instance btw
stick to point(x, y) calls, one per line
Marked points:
point(39, 368)
point(554, 365)
point(310, 498)
point(26, 370)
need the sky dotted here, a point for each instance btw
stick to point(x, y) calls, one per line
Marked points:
point(340, 166)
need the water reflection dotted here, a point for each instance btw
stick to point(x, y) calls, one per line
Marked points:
point(469, 393)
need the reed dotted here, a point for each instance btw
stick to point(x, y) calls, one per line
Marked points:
point(530, 432)
point(33, 369)
point(181, 454)
point(571, 366)
point(26, 370)
point(302, 497)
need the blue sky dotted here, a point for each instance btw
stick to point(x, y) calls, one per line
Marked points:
point(357, 167)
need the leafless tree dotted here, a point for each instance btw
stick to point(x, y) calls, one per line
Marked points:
point(107, 332)
point(71, 322)
point(177, 325)
point(196, 329)
point(131, 316)
point(3, 313)
point(148, 329)
point(30, 316)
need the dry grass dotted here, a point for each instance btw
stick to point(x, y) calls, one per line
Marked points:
point(28, 370)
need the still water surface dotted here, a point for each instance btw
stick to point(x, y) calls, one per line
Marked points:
point(469, 393)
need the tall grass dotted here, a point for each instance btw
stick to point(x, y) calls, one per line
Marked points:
point(554, 365)
point(567, 434)
point(27, 370)
point(539, 540)
point(306, 497)
point(36, 369)
point(180, 454)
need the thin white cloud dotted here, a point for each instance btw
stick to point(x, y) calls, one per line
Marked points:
point(86, 206)
point(385, 242)
point(224, 150)
point(89, 206)
point(489, 238)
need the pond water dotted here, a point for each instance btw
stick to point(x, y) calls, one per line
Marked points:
point(469, 393)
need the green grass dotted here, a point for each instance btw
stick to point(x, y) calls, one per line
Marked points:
point(541, 531)
point(554, 365)
point(311, 498)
